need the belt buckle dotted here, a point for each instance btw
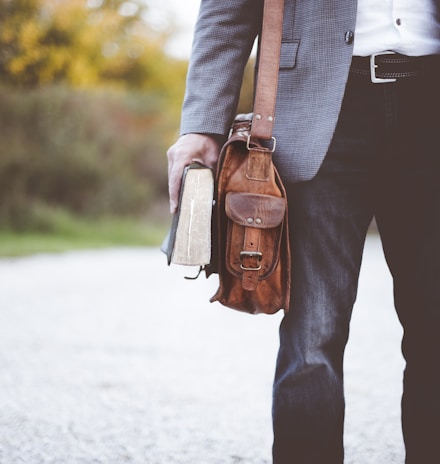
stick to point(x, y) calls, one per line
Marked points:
point(373, 66)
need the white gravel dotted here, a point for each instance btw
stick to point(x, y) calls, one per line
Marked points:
point(111, 357)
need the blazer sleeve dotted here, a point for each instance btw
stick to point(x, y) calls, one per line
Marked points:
point(223, 39)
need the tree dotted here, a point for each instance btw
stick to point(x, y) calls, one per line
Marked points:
point(85, 43)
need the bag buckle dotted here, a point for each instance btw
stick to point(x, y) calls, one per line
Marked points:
point(274, 144)
point(251, 254)
point(373, 67)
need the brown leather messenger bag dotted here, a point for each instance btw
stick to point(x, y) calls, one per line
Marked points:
point(251, 251)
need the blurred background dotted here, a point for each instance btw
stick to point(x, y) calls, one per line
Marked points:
point(90, 98)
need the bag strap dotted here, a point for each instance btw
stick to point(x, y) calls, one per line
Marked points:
point(268, 69)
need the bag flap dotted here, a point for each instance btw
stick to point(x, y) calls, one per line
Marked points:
point(255, 210)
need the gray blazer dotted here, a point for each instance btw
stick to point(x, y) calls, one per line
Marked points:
point(315, 58)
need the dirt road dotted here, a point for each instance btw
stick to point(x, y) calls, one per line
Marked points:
point(109, 357)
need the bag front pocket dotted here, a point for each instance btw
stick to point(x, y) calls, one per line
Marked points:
point(255, 224)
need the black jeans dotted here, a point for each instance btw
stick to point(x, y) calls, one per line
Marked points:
point(384, 161)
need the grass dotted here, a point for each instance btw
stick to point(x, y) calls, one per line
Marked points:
point(69, 234)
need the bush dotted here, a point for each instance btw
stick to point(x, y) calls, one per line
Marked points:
point(91, 153)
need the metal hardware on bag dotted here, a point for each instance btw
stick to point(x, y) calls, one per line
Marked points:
point(251, 254)
point(373, 66)
point(274, 144)
point(259, 118)
point(250, 268)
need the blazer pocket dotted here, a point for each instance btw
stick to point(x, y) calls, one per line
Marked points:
point(288, 54)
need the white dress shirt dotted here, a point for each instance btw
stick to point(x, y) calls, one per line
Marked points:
point(410, 27)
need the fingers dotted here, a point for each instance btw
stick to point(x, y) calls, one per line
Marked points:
point(178, 158)
point(188, 149)
point(175, 171)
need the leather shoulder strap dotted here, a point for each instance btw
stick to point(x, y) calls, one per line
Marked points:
point(268, 69)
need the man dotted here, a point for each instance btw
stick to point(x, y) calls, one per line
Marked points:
point(358, 131)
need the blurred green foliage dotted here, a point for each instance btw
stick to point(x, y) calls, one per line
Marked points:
point(85, 43)
point(93, 153)
point(89, 103)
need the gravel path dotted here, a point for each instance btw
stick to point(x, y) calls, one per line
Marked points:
point(110, 357)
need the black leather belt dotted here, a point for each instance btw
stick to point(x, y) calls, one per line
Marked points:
point(390, 66)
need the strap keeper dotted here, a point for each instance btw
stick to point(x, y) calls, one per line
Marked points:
point(249, 145)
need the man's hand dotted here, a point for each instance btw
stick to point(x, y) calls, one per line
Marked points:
point(188, 149)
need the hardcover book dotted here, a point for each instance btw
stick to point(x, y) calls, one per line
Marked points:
point(189, 240)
